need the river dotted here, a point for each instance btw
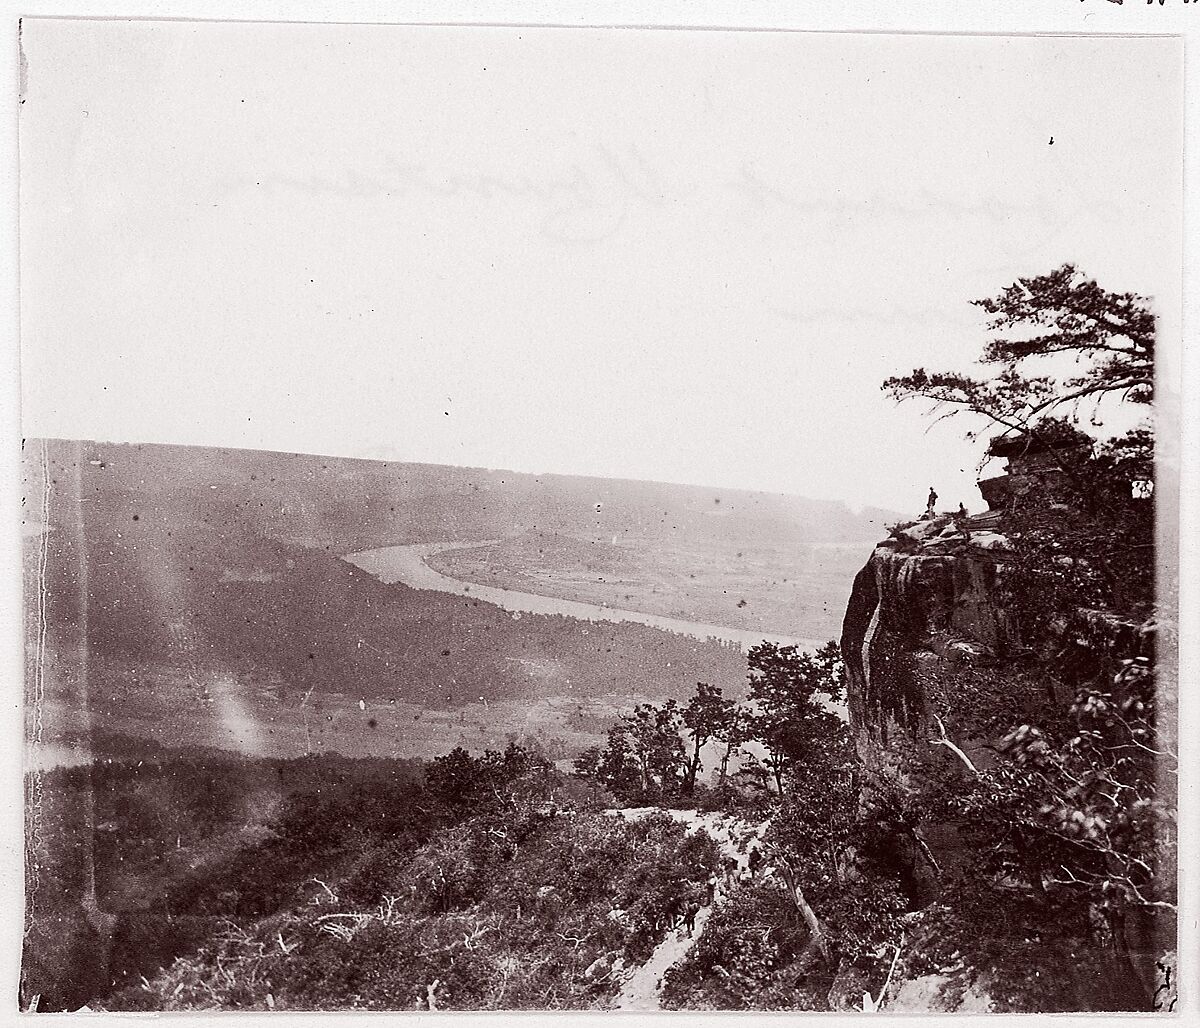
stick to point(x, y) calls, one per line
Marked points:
point(406, 564)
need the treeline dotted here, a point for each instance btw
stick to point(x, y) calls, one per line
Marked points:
point(1026, 875)
point(655, 753)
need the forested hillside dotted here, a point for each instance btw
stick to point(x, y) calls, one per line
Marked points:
point(326, 883)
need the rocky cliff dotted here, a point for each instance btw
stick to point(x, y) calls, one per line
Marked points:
point(926, 600)
point(928, 607)
point(937, 671)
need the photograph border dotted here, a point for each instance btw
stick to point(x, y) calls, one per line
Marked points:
point(1170, 17)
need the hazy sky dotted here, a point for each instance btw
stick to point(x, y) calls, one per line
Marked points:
point(689, 256)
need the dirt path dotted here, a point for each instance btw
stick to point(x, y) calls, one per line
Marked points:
point(643, 989)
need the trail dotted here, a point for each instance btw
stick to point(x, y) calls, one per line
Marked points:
point(642, 990)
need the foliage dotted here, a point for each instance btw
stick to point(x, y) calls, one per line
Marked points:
point(1102, 817)
point(749, 957)
point(656, 746)
point(792, 692)
point(829, 905)
point(1066, 820)
point(707, 716)
point(518, 775)
point(1024, 956)
point(737, 730)
point(507, 910)
point(174, 844)
point(1109, 335)
point(756, 953)
point(653, 753)
point(617, 767)
point(1091, 549)
point(1072, 808)
point(364, 884)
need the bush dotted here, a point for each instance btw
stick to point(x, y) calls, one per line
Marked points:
point(748, 958)
point(509, 909)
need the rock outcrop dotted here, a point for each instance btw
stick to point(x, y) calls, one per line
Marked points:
point(929, 601)
point(926, 598)
point(930, 617)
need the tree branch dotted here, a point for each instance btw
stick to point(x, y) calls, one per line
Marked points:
point(945, 741)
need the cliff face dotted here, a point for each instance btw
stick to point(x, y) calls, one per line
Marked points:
point(930, 602)
point(925, 624)
point(926, 600)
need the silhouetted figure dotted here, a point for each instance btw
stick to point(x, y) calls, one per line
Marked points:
point(689, 917)
point(754, 861)
point(930, 503)
point(730, 871)
point(674, 912)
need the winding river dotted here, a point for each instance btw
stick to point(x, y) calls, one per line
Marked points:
point(406, 564)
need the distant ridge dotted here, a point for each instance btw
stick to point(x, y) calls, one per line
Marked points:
point(473, 503)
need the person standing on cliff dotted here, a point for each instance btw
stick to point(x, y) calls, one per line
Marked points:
point(930, 503)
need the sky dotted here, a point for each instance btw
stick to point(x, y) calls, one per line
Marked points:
point(681, 256)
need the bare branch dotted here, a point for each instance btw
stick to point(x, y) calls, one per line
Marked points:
point(945, 741)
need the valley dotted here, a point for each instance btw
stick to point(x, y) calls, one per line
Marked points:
point(282, 604)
